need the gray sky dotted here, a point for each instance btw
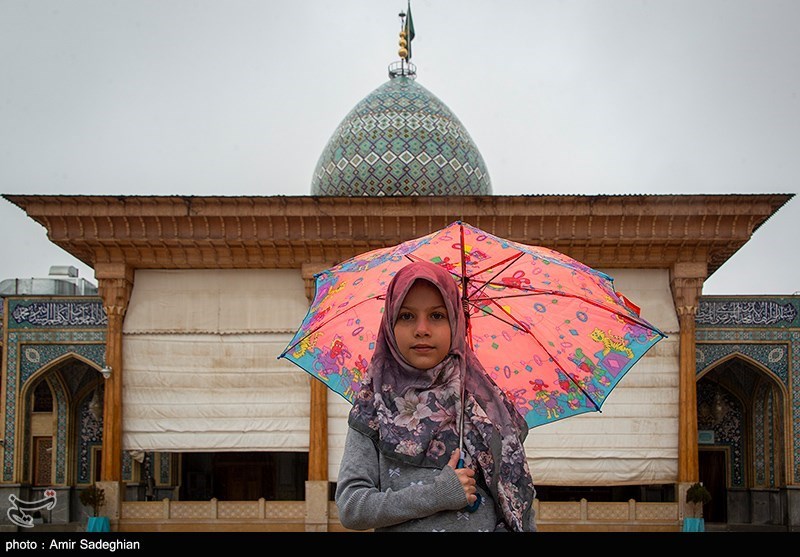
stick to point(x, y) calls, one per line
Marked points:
point(162, 97)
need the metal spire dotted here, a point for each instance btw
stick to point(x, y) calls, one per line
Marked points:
point(404, 67)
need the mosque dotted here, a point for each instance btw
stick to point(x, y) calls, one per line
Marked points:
point(163, 385)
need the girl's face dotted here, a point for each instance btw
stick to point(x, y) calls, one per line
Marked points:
point(422, 329)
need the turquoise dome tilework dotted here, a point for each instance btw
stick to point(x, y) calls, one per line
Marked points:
point(400, 140)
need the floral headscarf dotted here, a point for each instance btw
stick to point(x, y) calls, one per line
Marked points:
point(413, 414)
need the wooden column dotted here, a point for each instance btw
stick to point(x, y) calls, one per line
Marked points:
point(318, 426)
point(114, 282)
point(687, 286)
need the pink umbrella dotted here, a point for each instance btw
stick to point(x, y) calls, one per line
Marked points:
point(550, 331)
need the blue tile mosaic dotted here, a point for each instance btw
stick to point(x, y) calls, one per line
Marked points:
point(723, 414)
point(30, 350)
point(400, 140)
point(766, 332)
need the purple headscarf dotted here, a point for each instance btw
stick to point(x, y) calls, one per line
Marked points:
point(413, 414)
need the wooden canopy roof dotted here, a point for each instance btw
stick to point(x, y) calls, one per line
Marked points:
point(178, 232)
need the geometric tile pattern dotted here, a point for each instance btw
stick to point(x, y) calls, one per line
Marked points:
point(727, 423)
point(9, 434)
point(36, 356)
point(764, 447)
point(127, 466)
point(400, 140)
point(61, 441)
point(164, 469)
point(759, 450)
point(90, 429)
point(774, 357)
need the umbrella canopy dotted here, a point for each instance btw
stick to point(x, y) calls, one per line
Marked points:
point(551, 332)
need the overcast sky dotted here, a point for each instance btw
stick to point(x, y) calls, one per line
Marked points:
point(239, 97)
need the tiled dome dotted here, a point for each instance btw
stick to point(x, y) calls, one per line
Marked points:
point(400, 140)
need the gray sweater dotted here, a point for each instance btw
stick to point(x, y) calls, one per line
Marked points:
point(376, 491)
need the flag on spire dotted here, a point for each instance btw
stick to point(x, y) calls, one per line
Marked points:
point(409, 29)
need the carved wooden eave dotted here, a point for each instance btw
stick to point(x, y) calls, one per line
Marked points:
point(179, 232)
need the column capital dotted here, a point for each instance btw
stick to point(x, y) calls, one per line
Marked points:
point(686, 281)
point(115, 286)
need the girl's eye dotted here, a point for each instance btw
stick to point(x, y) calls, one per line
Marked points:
point(405, 316)
point(438, 315)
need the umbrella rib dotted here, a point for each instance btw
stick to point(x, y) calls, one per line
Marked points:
point(511, 260)
point(637, 320)
point(529, 332)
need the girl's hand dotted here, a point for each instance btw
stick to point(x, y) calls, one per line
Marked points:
point(465, 475)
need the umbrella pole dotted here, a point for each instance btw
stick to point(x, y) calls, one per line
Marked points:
point(473, 506)
point(465, 303)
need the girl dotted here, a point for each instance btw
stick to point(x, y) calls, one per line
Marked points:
point(400, 469)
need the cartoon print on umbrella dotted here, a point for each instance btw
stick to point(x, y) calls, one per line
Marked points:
point(550, 331)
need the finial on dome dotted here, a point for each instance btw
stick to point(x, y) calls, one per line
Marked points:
point(404, 67)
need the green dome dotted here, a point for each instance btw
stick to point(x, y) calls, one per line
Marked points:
point(400, 140)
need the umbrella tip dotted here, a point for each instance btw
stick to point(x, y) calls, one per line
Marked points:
point(630, 305)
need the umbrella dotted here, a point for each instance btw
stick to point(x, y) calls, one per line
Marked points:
point(551, 332)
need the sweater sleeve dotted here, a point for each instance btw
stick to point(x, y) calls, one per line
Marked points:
point(363, 505)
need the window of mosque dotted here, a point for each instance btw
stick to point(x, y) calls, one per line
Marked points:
point(246, 476)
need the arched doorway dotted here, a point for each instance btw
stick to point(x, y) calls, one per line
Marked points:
point(740, 418)
point(62, 415)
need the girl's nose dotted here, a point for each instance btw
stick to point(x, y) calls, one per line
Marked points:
point(422, 328)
